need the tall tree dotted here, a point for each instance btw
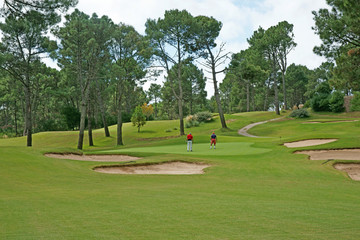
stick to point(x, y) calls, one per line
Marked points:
point(339, 31)
point(285, 34)
point(297, 77)
point(173, 39)
point(208, 30)
point(82, 54)
point(130, 55)
point(22, 45)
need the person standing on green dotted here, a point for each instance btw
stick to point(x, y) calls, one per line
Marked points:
point(189, 138)
point(213, 140)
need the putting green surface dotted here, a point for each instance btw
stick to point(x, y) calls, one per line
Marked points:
point(233, 148)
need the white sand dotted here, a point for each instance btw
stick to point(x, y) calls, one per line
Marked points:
point(309, 142)
point(175, 168)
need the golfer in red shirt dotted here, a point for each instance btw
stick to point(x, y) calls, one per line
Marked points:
point(189, 138)
point(213, 140)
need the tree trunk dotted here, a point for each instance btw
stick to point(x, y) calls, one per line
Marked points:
point(216, 91)
point(276, 98)
point(15, 119)
point(253, 98)
point(85, 96)
point(284, 89)
point(102, 109)
point(180, 100)
point(91, 142)
point(28, 117)
point(247, 96)
point(119, 117)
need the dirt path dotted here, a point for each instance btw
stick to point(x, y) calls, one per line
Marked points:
point(244, 130)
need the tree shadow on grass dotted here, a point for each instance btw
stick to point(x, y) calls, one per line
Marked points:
point(146, 131)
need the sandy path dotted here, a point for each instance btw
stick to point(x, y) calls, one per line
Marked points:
point(309, 142)
point(93, 158)
point(173, 168)
point(243, 131)
point(341, 154)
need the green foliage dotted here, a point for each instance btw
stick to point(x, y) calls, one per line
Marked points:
point(138, 118)
point(203, 116)
point(336, 102)
point(195, 120)
point(355, 102)
point(72, 117)
point(321, 98)
point(339, 29)
point(320, 102)
point(300, 113)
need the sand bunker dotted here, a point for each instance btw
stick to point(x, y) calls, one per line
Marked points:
point(93, 158)
point(309, 142)
point(175, 168)
point(330, 121)
point(340, 154)
point(352, 169)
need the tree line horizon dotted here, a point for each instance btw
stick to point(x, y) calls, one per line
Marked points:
point(103, 65)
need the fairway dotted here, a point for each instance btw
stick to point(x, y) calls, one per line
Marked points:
point(254, 188)
point(222, 149)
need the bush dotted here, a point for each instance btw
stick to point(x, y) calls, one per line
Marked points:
point(195, 120)
point(188, 124)
point(195, 123)
point(203, 116)
point(320, 103)
point(336, 102)
point(168, 130)
point(355, 102)
point(300, 113)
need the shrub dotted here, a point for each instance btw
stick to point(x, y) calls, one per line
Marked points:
point(188, 124)
point(355, 102)
point(320, 102)
point(336, 102)
point(300, 113)
point(203, 116)
point(195, 120)
point(138, 118)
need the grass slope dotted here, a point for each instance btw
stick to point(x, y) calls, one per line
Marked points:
point(256, 189)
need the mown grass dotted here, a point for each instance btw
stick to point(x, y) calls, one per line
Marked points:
point(256, 188)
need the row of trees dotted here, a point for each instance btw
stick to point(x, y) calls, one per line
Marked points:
point(256, 76)
point(102, 66)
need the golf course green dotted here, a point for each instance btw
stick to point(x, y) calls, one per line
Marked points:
point(255, 188)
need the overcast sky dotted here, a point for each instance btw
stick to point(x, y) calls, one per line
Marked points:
point(239, 17)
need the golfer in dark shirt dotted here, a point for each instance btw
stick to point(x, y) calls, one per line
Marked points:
point(213, 140)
